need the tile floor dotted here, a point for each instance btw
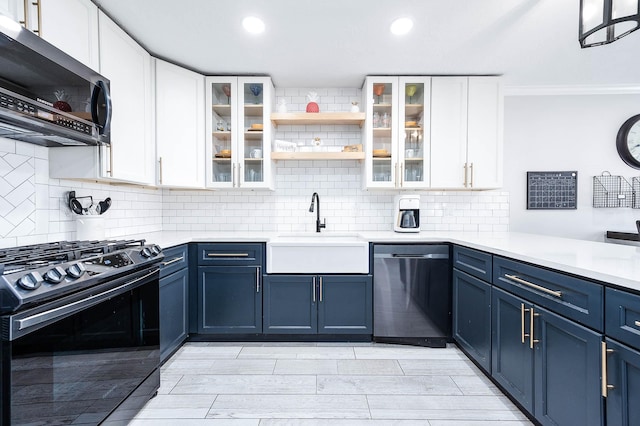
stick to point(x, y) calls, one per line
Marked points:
point(309, 384)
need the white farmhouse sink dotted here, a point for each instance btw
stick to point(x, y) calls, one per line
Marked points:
point(317, 253)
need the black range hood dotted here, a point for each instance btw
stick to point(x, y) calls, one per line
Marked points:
point(46, 96)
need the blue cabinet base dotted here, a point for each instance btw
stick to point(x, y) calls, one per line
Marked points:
point(280, 338)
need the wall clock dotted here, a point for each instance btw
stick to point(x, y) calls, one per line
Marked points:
point(628, 142)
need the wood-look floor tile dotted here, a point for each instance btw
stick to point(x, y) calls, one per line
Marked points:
point(439, 402)
point(387, 385)
point(290, 406)
point(195, 422)
point(372, 367)
point(209, 384)
point(190, 351)
point(297, 352)
point(168, 382)
point(429, 367)
point(181, 401)
point(342, 422)
point(475, 385)
point(306, 366)
point(223, 366)
point(407, 352)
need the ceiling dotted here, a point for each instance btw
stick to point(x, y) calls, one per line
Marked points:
point(335, 43)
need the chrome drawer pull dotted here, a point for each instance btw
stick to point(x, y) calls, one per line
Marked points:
point(227, 254)
point(535, 286)
point(177, 259)
point(637, 323)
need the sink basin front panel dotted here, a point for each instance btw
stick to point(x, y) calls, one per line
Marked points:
point(302, 256)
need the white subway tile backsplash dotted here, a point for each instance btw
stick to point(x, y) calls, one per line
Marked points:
point(45, 216)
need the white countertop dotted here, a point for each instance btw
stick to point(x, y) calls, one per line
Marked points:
point(610, 263)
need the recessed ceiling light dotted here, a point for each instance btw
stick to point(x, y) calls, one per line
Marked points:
point(401, 26)
point(253, 25)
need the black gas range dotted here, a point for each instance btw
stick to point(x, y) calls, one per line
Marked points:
point(80, 331)
point(39, 273)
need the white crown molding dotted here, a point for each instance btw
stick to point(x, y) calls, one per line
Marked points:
point(571, 90)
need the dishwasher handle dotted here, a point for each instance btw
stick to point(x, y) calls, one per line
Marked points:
point(411, 256)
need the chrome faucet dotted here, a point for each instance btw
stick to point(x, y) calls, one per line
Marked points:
point(318, 224)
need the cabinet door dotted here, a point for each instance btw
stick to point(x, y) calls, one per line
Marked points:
point(290, 304)
point(230, 300)
point(485, 128)
point(567, 365)
point(345, 304)
point(221, 130)
point(253, 151)
point(511, 352)
point(72, 26)
point(448, 132)
point(472, 317)
point(12, 9)
point(623, 373)
point(131, 155)
point(414, 124)
point(174, 311)
point(381, 136)
point(179, 126)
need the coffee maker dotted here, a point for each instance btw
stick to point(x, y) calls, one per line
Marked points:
point(407, 213)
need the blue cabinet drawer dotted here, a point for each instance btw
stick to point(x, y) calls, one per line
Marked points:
point(230, 254)
point(175, 258)
point(572, 297)
point(473, 262)
point(622, 316)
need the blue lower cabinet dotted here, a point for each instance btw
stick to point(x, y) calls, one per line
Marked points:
point(318, 304)
point(623, 377)
point(345, 304)
point(229, 300)
point(549, 364)
point(512, 356)
point(567, 372)
point(289, 303)
point(174, 311)
point(471, 305)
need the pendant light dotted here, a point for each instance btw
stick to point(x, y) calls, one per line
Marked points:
point(605, 21)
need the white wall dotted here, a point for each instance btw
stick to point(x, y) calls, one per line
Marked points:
point(33, 207)
point(557, 133)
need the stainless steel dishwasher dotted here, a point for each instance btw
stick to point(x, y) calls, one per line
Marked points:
point(412, 294)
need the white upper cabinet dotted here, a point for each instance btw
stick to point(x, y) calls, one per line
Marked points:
point(12, 9)
point(448, 131)
point(72, 26)
point(131, 155)
point(485, 124)
point(180, 126)
point(466, 132)
point(397, 153)
point(239, 132)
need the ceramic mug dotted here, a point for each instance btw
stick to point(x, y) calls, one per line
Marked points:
point(256, 153)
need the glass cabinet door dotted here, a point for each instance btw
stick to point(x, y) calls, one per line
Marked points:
point(413, 145)
point(222, 127)
point(382, 115)
point(254, 142)
point(241, 131)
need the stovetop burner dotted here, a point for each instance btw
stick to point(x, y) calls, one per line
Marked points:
point(38, 255)
point(38, 273)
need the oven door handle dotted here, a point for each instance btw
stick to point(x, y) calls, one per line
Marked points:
point(65, 310)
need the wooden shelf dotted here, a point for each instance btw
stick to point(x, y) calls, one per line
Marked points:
point(318, 118)
point(223, 136)
point(222, 110)
point(317, 155)
point(253, 136)
point(253, 110)
point(412, 110)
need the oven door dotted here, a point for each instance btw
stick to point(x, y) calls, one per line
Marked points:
point(77, 359)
